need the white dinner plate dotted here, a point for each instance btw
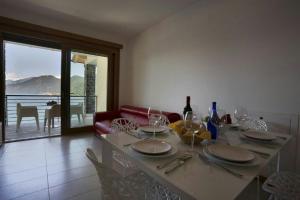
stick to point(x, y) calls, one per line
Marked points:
point(151, 146)
point(230, 153)
point(172, 152)
point(252, 163)
point(150, 129)
point(258, 135)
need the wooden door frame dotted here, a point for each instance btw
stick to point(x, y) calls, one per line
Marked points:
point(2, 87)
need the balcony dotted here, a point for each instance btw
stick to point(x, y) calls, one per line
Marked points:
point(28, 127)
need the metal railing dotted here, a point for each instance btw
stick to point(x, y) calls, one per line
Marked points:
point(40, 101)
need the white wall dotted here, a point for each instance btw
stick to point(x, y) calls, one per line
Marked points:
point(235, 52)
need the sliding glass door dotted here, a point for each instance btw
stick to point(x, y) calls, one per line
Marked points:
point(88, 87)
point(32, 91)
point(33, 103)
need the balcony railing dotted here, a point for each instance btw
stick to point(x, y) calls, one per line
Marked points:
point(40, 101)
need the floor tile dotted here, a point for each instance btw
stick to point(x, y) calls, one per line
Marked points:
point(71, 189)
point(65, 158)
point(23, 188)
point(40, 195)
point(70, 175)
point(68, 164)
point(26, 175)
point(19, 167)
point(23, 158)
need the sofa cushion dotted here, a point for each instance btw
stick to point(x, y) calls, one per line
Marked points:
point(102, 120)
point(103, 126)
point(134, 110)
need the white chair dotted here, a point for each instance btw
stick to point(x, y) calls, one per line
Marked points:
point(123, 125)
point(138, 186)
point(283, 186)
point(77, 110)
point(27, 111)
point(154, 189)
point(50, 114)
point(256, 124)
point(113, 185)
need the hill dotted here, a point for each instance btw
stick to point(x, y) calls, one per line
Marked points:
point(43, 85)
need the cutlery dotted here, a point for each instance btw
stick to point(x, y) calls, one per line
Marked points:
point(209, 162)
point(132, 134)
point(281, 137)
point(128, 144)
point(181, 162)
point(259, 152)
point(185, 155)
point(258, 143)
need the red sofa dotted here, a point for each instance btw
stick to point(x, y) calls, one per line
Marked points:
point(102, 120)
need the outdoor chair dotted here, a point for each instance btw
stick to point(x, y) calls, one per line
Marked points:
point(77, 110)
point(27, 111)
point(50, 114)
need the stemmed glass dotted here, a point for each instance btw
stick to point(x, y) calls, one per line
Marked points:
point(154, 117)
point(190, 124)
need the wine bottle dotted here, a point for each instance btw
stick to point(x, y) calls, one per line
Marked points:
point(187, 107)
point(212, 128)
point(214, 115)
point(213, 122)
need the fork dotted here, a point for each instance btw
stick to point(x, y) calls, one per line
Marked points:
point(183, 156)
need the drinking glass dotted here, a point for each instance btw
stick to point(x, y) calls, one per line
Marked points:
point(221, 112)
point(240, 114)
point(190, 120)
point(154, 117)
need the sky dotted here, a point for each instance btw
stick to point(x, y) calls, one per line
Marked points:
point(23, 61)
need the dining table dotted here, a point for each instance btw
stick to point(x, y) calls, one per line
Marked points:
point(196, 179)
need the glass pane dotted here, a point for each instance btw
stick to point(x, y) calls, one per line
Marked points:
point(88, 87)
point(32, 75)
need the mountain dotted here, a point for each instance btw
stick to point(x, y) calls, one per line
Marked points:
point(43, 85)
point(10, 82)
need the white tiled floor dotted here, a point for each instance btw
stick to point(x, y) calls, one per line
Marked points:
point(53, 168)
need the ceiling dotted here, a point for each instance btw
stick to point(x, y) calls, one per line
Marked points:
point(124, 18)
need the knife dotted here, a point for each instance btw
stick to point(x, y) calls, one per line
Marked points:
point(207, 161)
point(181, 162)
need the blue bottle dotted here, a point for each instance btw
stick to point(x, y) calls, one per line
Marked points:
point(214, 121)
point(212, 129)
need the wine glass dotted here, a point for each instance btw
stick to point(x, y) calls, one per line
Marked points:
point(240, 114)
point(154, 117)
point(190, 121)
